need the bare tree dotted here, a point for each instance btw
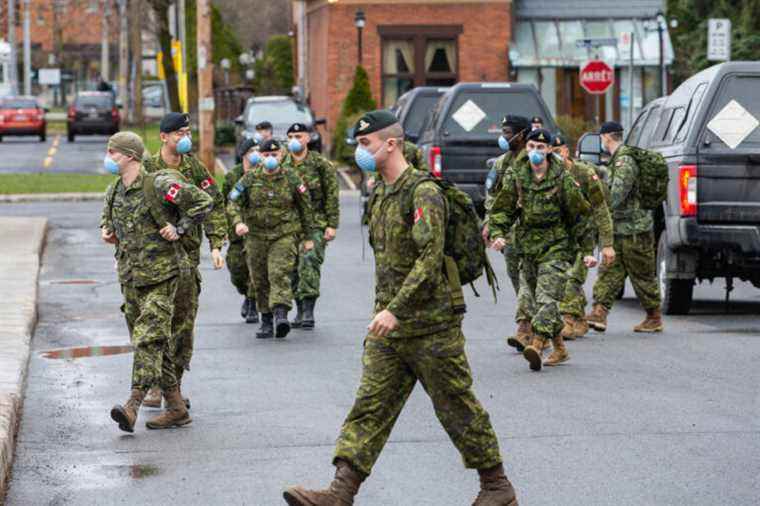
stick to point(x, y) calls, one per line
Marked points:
point(135, 9)
point(161, 10)
point(254, 21)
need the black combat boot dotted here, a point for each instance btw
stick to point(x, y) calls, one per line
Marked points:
point(266, 330)
point(308, 313)
point(244, 307)
point(298, 320)
point(281, 323)
point(253, 313)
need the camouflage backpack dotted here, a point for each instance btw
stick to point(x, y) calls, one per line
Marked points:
point(653, 176)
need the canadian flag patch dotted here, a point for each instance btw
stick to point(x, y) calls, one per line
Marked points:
point(595, 177)
point(172, 193)
point(302, 189)
point(206, 183)
point(418, 215)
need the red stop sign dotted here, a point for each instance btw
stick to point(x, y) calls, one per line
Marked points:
point(597, 77)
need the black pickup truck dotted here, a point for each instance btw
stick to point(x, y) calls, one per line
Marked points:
point(708, 130)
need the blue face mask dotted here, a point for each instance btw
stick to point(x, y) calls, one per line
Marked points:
point(258, 137)
point(271, 163)
point(111, 166)
point(254, 158)
point(184, 145)
point(503, 143)
point(365, 160)
point(295, 146)
point(536, 157)
point(237, 190)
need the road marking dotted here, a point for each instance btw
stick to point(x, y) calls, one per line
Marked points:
point(56, 141)
point(48, 162)
point(51, 152)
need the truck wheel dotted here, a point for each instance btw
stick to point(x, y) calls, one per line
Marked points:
point(676, 293)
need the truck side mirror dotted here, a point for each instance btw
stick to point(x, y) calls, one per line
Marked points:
point(589, 148)
point(239, 120)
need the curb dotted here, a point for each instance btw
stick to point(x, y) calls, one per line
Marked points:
point(346, 179)
point(20, 259)
point(50, 197)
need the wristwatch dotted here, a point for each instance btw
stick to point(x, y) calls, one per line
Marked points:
point(180, 230)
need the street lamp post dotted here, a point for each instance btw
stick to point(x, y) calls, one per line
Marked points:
point(660, 29)
point(359, 21)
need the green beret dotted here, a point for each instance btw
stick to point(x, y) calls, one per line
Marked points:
point(374, 121)
point(127, 143)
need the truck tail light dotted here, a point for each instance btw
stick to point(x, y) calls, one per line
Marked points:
point(115, 114)
point(436, 162)
point(687, 190)
point(72, 112)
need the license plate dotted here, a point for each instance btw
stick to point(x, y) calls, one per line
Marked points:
point(20, 117)
point(93, 115)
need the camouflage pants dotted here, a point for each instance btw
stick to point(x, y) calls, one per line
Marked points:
point(236, 264)
point(307, 277)
point(512, 259)
point(542, 288)
point(635, 258)
point(149, 312)
point(574, 301)
point(391, 368)
point(183, 324)
point(272, 263)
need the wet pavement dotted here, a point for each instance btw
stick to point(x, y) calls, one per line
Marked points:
point(56, 154)
point(670, 419)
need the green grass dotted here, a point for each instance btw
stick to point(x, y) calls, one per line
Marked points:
point(53, 183)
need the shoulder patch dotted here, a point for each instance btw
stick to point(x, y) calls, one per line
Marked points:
point(173, 192)
point(206, 183)
point(418, 214)
point(302, 188)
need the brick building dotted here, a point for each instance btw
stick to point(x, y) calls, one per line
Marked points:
point(405, 43)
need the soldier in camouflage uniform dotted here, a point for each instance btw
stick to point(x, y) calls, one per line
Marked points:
point(634, 240)
point(271, 207)
point(322, 181)
point(148, 214)
point(573, 307)
point(236, 262)
point(414, 336)
point(552, 225)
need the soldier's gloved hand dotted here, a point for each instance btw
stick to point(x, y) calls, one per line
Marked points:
point(308, 245)
point(241, 229)
point(330, 234)
point(216, 259)
point(383, 323)
point(108, 236)
point(590, 261)
point(169, 232)
point(499, 244)
point(608, 255)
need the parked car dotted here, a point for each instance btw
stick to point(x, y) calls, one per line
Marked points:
point(709, 226)
point(462, 133)
point(412, 107)
point(93, 113)
point(22, 116)
point(281, 112)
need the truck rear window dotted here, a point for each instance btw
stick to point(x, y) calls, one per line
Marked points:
point(479, 114)
point(735, 115)
point(96, 101)
point(18, 103)
point(416, 115)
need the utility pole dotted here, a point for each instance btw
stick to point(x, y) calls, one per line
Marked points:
point(105, 58)
point(123, 53)
point(135, 43)
point(12, 41)
point(27, 51)
point(205, 84)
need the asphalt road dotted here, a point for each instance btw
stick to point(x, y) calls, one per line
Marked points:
point(670, 419)
point(56, 154)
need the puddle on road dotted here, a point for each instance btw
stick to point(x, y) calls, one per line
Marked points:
point(87, 351)
point(136, 471)
point(74, 282)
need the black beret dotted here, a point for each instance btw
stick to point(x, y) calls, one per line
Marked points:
point(270, 145)
point(541, 135)
point(246, 145)
point(297, 127)
point(174, 121)
point(609, 127)
point(537, 119)
point(264, 125)
point(516, 122)
point(559, 140)
point(374, 121)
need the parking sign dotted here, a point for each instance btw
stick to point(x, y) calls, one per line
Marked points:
point(719, 39)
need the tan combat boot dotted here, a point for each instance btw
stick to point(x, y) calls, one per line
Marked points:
point(533, 353)
point(568, 330)
point(559, 354)
point(341, 491)
point(153, 399)
point(495, 488)
point(176, 414)
point(581, 327)
point(597, 318)
point(652, 323)
point(522, 337)
point(126, 415)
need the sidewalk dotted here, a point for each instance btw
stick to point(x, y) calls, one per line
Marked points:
point(22, 243)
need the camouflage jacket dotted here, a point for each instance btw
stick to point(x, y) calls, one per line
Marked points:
point(230, 179)
point(409, 278)
point(144, 257)
point(272, 206)
point(594, 191)
point(500, 166)
point(215, 224)
point(413, 155)
point(551, 214)
point(628, 216)
point(321, 179)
